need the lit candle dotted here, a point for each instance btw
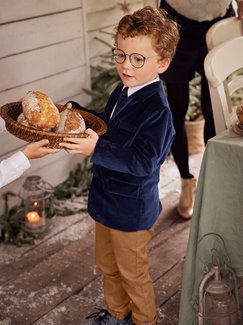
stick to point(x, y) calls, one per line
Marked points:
point(33, 219)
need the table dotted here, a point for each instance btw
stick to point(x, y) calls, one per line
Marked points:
point(218, 209)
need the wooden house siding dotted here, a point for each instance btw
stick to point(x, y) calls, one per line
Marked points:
point(49, 46)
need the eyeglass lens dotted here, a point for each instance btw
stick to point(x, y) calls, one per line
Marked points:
point(137, 60)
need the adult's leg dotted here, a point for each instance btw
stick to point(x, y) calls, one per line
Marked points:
point(178, 97)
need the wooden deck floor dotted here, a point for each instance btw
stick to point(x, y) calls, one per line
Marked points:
point(55, 281)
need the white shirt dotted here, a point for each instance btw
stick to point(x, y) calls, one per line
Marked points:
point(14, 166)
point(199, 10)
point(132, 90)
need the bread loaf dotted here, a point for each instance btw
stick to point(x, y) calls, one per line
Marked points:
point(40, 111)
point(22, 120)
point(71, 121)
point(239, 113)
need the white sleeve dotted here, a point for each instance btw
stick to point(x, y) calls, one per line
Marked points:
point(2, 125)
point(13, 167)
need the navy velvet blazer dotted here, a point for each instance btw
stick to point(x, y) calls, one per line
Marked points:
point(127, 159)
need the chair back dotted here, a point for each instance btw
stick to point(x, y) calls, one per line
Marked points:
point(220, 63)
point(224, 30)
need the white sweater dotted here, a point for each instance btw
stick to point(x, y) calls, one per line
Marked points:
point(14, 166)
point(198, 10)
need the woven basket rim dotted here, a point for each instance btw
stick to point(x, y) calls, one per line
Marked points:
point(9, 120)
point(31, 135)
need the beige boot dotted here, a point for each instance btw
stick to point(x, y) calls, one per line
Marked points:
point(187, 197)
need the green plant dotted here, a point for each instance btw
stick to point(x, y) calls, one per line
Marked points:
point(104, 78)
point(237, 96)
point(194, 110)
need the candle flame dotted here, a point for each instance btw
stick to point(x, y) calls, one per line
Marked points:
point(33, 217)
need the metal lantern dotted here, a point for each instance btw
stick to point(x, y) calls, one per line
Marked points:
point(37, 196)
point(218, 297)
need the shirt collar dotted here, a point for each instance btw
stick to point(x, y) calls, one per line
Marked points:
point(132, 90)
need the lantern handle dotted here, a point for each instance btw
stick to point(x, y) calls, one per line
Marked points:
point(225, 257)
point(45, 186)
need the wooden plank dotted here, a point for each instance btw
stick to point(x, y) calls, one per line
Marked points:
point(103, 19)
point(58, 278)
point(169, 312)
point(82, 99)
point(38, 32)
point(174, 249)
point(65, 230)
point(109, 17)
point(168, 284)
point(50, 282)
point(33, 8)
point(75, 309)
point(93, 6)
point(96, 47)
point(60, 87)
point(34, 65)
point(9, 144)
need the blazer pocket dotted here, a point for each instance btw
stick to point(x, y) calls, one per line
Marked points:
point(123, 188)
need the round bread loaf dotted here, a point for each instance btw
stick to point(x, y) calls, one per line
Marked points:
point(40, 111)
point(71, 121)
point(239, 113)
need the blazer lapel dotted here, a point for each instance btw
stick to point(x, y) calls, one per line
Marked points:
point(112, 101)
point(139, 95)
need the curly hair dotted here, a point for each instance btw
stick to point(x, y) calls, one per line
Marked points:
point(154, 23)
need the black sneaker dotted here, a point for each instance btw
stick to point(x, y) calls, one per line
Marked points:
point(103, 317)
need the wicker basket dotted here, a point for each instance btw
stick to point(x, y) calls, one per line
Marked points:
point(11, 111)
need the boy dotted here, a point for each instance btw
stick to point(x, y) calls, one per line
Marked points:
point(14, 166)
point(123, 198)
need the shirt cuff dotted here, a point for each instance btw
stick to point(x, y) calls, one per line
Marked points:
point(13, 167)
point(19, 160)
point(2, 125)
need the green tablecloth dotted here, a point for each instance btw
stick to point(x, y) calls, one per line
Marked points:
point(218, 209)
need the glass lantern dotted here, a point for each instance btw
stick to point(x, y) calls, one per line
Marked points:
point(39, 211)
point(218, 298)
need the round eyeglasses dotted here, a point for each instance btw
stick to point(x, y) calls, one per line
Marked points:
point(136, 60)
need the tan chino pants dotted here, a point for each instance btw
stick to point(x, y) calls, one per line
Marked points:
point(122, 258)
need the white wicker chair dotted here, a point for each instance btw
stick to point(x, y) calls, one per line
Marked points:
point(224, 30)
point(220, 63)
